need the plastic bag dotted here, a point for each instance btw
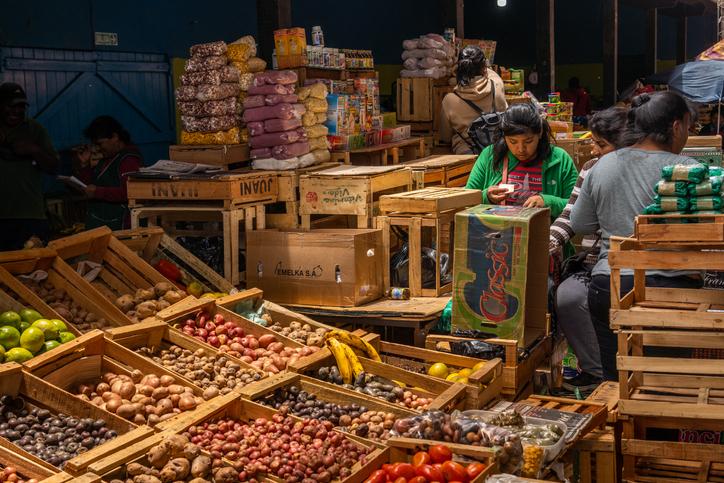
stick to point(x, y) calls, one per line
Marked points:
point(318, 143)
point(245, 81)
point(232, 136)
point(321, 155)
point(712, 186)
point(209, 124)
point(696, 173)
point(317, 91)
point(209, 108)
point(186, 93)
point(309, 119)
point(423, 53)
point(399, 266)
point(275, 77)
point(478, 349)
point(255, 64)
point(672, 203)
point(255, 128)
point(242, 67)
point(207, 50)
point(276, 164)
point(705, 203)
point(316, 130)
point(274, 139)
point(266, 90)
point(435, 73)
point(239, 52)
point(244, 135)
point(196, 64)
point(248, 40)
point(321, 117)
point(254, 101)
point(409, 64)
point(290, 150)
point(429, 63)
point(227, 73)
point(411, 44)
point(260, 153)
point(216, 92)
point(315, 105)
point(274, 99)
point(671, 188)
point(279, 111)
point(276, 125)
point(428, 42)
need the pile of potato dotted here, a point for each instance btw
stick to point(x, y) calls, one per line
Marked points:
point(148, 302)
point(66, 307)
point(372, 425)
point(178, 460)
point(302, 333)
point(141, 399)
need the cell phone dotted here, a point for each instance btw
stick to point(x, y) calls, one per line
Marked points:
point(509, 188)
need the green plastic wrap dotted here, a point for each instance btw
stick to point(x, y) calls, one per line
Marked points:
point(716, 171)
point(695, 173)
point(672, 188)
point(712, 186)
point(706, 203)
point(672, 203)
point(444, 325)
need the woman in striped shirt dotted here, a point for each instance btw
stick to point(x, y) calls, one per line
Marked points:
point(607, 129)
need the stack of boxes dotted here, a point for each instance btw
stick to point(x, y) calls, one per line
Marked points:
point(559, 115)
point(690, 189)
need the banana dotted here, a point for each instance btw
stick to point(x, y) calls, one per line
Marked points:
point(340, 355)
point(357, 368)
point(354, 341)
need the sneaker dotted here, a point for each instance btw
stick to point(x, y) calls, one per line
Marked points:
point(584, 382)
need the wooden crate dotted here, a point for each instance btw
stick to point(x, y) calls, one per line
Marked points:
point(485, 383)
point(517, 371)
point(666, 229)
point(39, 393)
point(350, 190)
point(87, 358)
point(420, 99)
point(224, 155)
point(597, 411)
point(595, 458)
point(153, 244)
point(122, 271)
point(607, 393)
point(155, 333)
point(229, 189)
point(445, 395)
point(429, 209)
point(28, 469)
point(382, 154)
point(14, 265)
point(450, 170)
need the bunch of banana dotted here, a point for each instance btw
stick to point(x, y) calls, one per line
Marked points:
point(347, 361)
point(355, 341)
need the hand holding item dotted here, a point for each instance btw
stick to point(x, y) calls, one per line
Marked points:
point(90, 190)
point(497, 194)
point(534, 202)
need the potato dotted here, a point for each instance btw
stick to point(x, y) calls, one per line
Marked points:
point(161, 288)
point(173, 296)
point(127, 390)
point(146, 479)
point(160, 393)
point(167, 380)
point(187, 403)
point(126, 411)
point(164, 406)
point(266, 339)
point(200, 466)
point(144, 294)
point(125, 303)
point(158, 456)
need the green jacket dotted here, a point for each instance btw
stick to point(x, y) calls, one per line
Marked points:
point(559, 177)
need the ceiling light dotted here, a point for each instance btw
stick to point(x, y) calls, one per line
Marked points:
point(502, 3)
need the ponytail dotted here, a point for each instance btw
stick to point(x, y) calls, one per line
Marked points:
point(471, 64)
point(652, 117)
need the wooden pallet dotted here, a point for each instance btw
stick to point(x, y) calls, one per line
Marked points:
point(517, 372)
point(227, 190)
point(153, 244)
point(122, 271)
point(85, 360)
point(450, 170)
point(445, 395)
point(39, 393)
point(350, 190)
point(228, 156)
point(382, 154)
point(668, 229)
point(484, 384)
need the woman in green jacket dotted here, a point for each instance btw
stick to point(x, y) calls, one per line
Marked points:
point(538, 174)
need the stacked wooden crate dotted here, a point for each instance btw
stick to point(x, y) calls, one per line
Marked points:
point(676, 393)
point(419, 103)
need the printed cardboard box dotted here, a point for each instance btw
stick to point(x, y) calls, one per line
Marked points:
point(340, 268)
point(500, 271)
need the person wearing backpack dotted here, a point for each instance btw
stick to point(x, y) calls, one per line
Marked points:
point(479, 91)
point(522, 168)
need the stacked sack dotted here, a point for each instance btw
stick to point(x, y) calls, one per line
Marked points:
point(688, 189)
point(314, 98)
point(274, 119)
point(429, 56)
point(207, 98)
point(242, 55)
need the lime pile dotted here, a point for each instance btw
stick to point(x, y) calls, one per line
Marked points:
point(26, 334)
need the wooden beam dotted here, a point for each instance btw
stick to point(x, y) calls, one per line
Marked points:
point(681, 32)
point(452, 14)
point(270, 16)
point(652, 37)
point(545, 41)
point(610, 51)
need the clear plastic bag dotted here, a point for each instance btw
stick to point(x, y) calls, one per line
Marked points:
point(209, 124)
point(186, 93)
point(209, 108)
point(231, 136)
point(207, 50)
point(309, 119)
point(198, 64)
point(411, 44)
point(216, 92)
point(260, 153)
point(315, 105)
point(317, 90)
point(256, 64)
point(245, 81)
point(279, 111)
point(254, 101)
point(399, 266)
point(225, 74)
point(321, 155)
point(276, 125)
point(274, 99)
point(318, 143)
point(316, 131)
point(288, 151)
point(270, 140)
point(271, 77)
point(255, 128)
point(239, 52)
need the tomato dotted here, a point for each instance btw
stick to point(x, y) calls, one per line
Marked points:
point(421, 458)
point(417, 479)
point(430, 473)
point(474, 469)
point(378, 476)
point(453, 471)
point(403, 470)
point(400, 480)
point(440, 453)
point(387, 467)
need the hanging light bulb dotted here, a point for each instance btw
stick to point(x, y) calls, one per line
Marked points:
point(502, 3)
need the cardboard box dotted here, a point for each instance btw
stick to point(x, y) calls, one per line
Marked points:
point(340, 268)
point(580, 150)
point(216, 154)
point(395, 134)
point(500, 272)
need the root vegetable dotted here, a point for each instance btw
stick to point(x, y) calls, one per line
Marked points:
point(125, 303)
point(201, 466)
point(158, 456)
point(161, 288)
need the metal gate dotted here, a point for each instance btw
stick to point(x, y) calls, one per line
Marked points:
point(68, 88)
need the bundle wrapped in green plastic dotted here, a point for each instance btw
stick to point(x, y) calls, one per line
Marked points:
point(716, 171)
point(695, 173)
point(705, 203)
point(671, 188)
point(711, 186)
point(672, 203)
point(655, 209)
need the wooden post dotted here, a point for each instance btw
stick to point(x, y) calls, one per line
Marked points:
point(452, 15)
point(270, 16)
point(546, 45)
point(652, 37)
point(610, 51)
point(681, 32)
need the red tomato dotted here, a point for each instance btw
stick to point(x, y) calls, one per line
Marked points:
point(440, 453)
point(403, 470)
point(453, 471)
point(474, 469)
point(401, 480)
point(387, 468)
point(421, 458)
point(378, 476)
point(417, 479)
point(430, 473)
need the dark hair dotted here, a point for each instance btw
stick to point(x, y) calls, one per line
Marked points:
point(471, 64)
point(574, 83)
point(610, 125)
point(522, 119)
point(652, 117)
point(105, 127)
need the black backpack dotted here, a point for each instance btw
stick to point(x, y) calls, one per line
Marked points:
point(485, 129)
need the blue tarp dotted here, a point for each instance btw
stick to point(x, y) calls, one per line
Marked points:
point(700, 81)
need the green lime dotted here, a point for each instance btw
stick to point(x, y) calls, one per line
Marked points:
point(11, 319)
point(18, 354)
point(59, 325)
point(32, 339)
point(23, 325)
point(9, 337)
point(64, 337)
point(50, 345)
point(30, 315)
point(2, 353)
point(49, 329)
